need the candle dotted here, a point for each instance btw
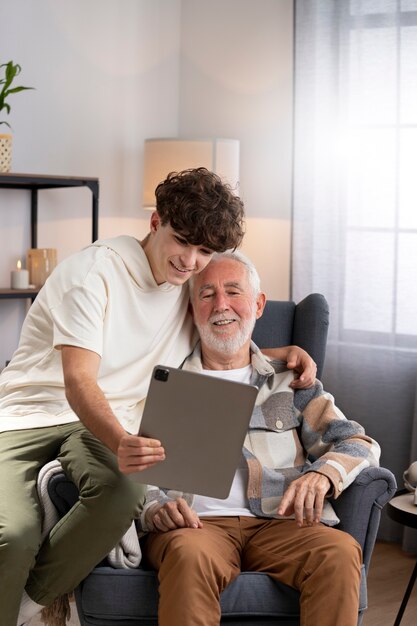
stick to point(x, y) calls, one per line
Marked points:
point(19, 277)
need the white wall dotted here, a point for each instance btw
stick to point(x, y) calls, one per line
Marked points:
point(236, 81)
point(109, 74)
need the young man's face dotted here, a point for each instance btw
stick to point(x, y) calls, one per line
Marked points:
point(171, 257)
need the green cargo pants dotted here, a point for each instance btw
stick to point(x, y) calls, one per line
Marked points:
point(108, 502)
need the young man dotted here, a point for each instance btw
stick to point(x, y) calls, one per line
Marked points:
point(75, 387)
point(277, 518)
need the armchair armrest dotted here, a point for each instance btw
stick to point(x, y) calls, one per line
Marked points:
point(63, 492)
point(359, 507)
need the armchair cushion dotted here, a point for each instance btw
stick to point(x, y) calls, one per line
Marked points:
point(111, 597)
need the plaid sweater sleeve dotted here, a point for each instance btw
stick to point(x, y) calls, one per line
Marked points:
point(156, 496)
point(339, 447)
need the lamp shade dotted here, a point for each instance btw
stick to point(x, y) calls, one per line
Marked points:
point(163, 156)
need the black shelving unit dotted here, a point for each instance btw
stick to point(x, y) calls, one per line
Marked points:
point(34, 183)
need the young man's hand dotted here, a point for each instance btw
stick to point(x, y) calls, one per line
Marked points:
point(298, 360)
point(135, 453)
point(306, 369)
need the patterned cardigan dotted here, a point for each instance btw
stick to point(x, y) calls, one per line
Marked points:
point(291, 432)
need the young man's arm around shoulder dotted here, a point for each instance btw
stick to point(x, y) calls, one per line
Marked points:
point(298, 360)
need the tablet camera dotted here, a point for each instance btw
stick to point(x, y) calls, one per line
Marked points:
point(161, 374)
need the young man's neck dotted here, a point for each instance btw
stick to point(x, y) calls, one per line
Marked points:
point(146, 244)
point(143, 242)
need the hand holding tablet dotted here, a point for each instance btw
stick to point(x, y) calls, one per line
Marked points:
point(201, 422)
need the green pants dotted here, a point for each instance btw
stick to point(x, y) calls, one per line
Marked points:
point(108, 502)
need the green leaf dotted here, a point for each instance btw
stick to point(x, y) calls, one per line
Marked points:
point(11, 70)
point(16, 89)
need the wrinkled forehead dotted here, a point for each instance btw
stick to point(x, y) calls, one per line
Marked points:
point(221, 273)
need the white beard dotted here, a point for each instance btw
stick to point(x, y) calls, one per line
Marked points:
point(227, 345)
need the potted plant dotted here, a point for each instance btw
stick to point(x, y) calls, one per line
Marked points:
point(8, 72)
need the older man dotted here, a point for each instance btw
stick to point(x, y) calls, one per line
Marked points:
point(277, 518)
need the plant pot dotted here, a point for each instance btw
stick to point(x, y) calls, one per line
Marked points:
point(5, 152)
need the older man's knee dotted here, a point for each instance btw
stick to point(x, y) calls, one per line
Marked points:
point(342, 556)
point(188, 552)
point(347, 546)
point(186, 545)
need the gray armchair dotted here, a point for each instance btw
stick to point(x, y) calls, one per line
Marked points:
point(115, 597)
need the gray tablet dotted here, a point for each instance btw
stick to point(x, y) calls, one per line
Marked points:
point(202, 422)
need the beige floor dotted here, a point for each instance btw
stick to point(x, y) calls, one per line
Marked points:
point(388, 577)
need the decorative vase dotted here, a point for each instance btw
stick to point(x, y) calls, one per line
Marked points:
point(40, 263)
point(5, 152)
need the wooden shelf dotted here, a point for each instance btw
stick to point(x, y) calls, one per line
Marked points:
point(44, 181)
point(7, 293)
point(35, 183)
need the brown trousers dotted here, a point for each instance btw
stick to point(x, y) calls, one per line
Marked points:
point(196, 565)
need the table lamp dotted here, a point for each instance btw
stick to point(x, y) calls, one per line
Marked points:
point(174, 155)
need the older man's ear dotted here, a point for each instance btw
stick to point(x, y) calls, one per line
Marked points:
point(260, 304)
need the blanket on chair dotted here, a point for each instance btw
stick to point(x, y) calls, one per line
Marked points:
point(125, 555)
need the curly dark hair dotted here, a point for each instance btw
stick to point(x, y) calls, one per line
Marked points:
point(203, 209)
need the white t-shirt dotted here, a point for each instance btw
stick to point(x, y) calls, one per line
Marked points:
point(104, 299)
point(237, 502)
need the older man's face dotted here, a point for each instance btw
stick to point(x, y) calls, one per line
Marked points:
point(225, 308)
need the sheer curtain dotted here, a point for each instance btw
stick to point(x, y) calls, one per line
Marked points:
point(355, 210)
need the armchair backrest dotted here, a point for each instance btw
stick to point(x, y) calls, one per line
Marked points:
point(304, 324)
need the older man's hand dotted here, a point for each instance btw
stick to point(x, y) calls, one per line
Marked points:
point(305, 498)
point(172, 515)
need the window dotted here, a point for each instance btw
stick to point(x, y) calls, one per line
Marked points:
point(378, 143)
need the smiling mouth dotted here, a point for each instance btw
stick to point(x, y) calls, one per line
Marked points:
point(223, 321)
point(181, 269)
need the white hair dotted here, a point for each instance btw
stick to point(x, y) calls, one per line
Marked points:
point(235, 255)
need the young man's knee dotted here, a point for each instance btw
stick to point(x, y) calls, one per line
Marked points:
point(19, 543)
point(119, 494)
